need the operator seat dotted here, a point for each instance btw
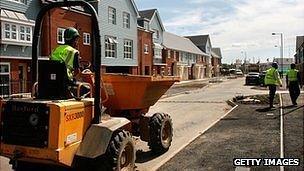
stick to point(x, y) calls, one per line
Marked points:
point(52, 80)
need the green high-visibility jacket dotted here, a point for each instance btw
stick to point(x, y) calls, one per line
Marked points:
point(292, 75)
point(272, 77)
point(66, 54)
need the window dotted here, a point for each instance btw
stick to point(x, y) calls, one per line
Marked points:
point(14, 32)
point(158, 53)
point(126, 20)
point(25, 33)
point(155, 34)
point(110, 47)
point(4, 79)
point(86, 38)
point(169, 54)
point(128, 49)
point(60, 35)
point(112, 15)
point(146, 25)
point(146, 49)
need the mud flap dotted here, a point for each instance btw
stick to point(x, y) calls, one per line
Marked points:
point(98, 136)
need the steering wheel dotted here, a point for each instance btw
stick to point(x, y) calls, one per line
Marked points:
point(84, 64)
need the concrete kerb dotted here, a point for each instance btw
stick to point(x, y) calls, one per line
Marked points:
point(231, 103)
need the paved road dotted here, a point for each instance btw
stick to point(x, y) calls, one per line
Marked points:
point(191, 113)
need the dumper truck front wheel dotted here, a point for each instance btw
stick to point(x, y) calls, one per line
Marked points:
point(121, 151)
point(161, 132)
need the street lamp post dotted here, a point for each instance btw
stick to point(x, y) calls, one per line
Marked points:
point(245, 59)
point(281, 49)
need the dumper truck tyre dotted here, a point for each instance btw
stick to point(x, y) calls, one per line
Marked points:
point(161, 132)
point(121, 151)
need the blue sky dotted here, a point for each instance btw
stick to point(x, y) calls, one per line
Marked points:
point(235, 25)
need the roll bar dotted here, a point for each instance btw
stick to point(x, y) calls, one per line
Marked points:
point(96, 56)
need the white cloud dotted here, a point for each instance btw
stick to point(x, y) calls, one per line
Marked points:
point(248, 27)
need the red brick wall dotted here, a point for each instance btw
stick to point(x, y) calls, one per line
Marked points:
point(60, 18)
point(14, 74)
point(144, 59)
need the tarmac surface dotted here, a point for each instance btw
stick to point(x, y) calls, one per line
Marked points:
point(249, 131)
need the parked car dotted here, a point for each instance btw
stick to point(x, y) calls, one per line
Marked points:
point(239, 73)
point(253, 78)
point(262, 78)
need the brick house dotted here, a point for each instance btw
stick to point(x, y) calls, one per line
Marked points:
point(181, 57)
point(145, 48)
point(155, 24)
point(56, 21)
point(17, 21)
point(216, 61)
point(299, 56)
point(203, 42)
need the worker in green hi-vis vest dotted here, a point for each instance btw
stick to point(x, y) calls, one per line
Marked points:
point(68, 53)
point(293, 82)
point(272, 80)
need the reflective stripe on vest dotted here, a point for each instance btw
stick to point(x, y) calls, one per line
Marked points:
point(270, 78)
point(292, 75)
point(65, 53)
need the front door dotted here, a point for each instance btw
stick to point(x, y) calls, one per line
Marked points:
point(22, 78)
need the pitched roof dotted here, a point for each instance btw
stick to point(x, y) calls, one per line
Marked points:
point(148, 14)
point(299, 42)
point(175, 42)
point(199, 40)
point(217, 52)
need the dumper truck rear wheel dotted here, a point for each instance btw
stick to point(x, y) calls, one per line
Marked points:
point(121, 151)
point(161, 132)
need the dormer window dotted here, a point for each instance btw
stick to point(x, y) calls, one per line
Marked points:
point(146, 25)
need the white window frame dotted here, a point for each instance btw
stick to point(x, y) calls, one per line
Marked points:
point(9, 77)
point(86, 38)
point(169, 54)
point(110, 47)
point(155, 34)
point(28, 30)
point(146, 25)
point(157, 53)
point(112, 15)
point(128, 49)
point(126, 20)
point(146, 48)
point(60, 34)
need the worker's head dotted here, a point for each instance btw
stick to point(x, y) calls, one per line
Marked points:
point(275, 65)
point(71, 36)
point(293, 66)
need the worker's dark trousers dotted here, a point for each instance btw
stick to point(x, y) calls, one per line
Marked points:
point(294, 91)
point(272, 91)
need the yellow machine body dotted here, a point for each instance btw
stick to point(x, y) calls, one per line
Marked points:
point(68, 121)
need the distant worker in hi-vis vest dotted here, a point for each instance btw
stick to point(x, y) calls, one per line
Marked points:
point(68, 53)
point(293, 83)
point(272, 80)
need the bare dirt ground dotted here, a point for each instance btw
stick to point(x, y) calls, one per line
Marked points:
point(249, 131)
point(294, 130)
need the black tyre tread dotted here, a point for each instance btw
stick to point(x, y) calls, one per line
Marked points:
point(113, 150)
point(155, 132)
